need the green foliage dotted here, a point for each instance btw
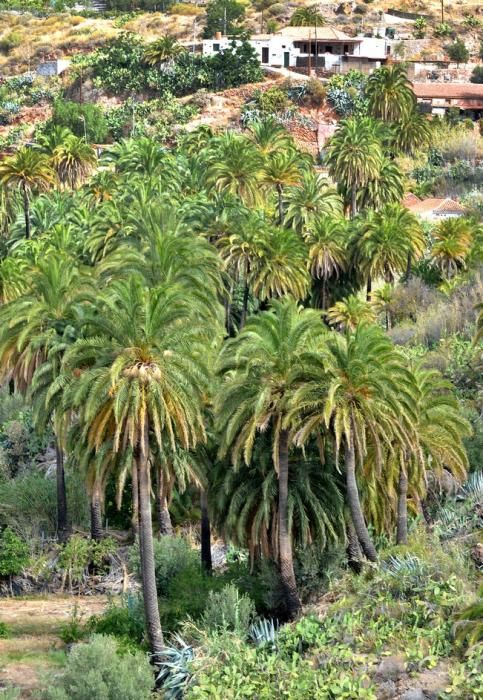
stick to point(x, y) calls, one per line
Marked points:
point(78, 552)
point(229, 610)
point(466, 679)
point(346, 94)
point(82, 119)
point(420, 26)
point(97, 670)
point(224, 16)
point(172, 556)
point(174, 669)
point(443, 29)
point(477, 75)
point(73, 630)
point(4, 631)
point(124, 621)
point(14, 553)
point(457, 51)
point(10, 41)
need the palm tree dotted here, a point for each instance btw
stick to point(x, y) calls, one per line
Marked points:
point(327, 241)
point(354, 156)
point(410, 133)
point(357, 387)
point(36, 327)
point(269, 136)
point(349, 313)
point(313, 197)
point(382, 301)
point(390, 93)
point(257, 370)
point(163, 50)
point(282, 169)
point(73, 160)
point(140, 377)
point(387, 187)
point(30, 171)
point(307, 17)
point(236, 167)
point(453, 239)
point(388, 241)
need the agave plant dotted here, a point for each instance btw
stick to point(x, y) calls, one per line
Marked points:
point(469, 622)
point(174, 672)
point(263, 632)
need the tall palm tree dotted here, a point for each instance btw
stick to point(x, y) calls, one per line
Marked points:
point(410, 133)
point(30, 171)
point(140, 377)
point(354, 156)
point(307, 17)
point(382, 302)
point(236, 167)
point(388, 239)
point(357, 387)
point(282, 169)
point(453, 239)
point(390, 93)
point(328, 256)
point(387, 187)
point(269, 136)
point(35, 329)
point(313, 197)
point(257, 369)
point(73, 160)
point(163, 50)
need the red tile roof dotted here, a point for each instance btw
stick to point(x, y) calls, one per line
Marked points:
point(449, 91)
point(439, 206)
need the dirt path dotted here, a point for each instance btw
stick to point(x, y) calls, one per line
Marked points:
point(33, 647)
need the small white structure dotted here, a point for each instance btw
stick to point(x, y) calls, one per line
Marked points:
point(53, 67)
point(433, 208)
point(304, 47)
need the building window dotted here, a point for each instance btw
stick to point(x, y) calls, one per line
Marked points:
point(216, 47)
point(346, 48)
point(265, 54)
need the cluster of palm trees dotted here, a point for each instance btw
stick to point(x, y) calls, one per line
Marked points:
point(168, 321)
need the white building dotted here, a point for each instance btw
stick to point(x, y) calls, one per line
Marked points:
point(301, 47)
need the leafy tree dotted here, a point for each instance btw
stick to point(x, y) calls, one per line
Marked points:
point(236, 65)
point(458, 52)
point(162, 50)
point(30, 171)
point(477, 75)
point(14, 553)
point(257, 370)
point(354, 156)
point(84, 120)
point(224, 16)
point(328, 254)
point(390, 93)
point(307, 17)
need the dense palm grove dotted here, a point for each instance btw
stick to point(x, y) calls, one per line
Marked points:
point(217, 316)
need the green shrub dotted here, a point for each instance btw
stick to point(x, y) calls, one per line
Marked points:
point(467, 678)
point(73, 630)
point(10, 41)
point(124, 621)
point(14, 553)
point(78, 553)
point(172, 556)
point(271, 101)
point(97, 670)
point(229, 610)
point(4, 632)
point(477, 75)
point(82, 119)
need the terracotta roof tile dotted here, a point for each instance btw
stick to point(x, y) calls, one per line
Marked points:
point(435, 204)
point(464, 91)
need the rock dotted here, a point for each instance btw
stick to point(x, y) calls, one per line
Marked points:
point(345, 8)
point(477, 554)
point(413, 694)
point(386, 691)
point(390, 669)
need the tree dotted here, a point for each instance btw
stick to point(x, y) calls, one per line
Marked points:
point(390, 93)
point(269, 136)
point(225, 16)
point(349, 313)
point(387, 187)
point(141, 377)
point(73, 160)
point(163, 50)
point(307, 17)
point(356, 386)
point(236, 167)
point(410, 133)
point(354, 156)
point(257, 370)
point(30, 171)
point(312, 198)
point(458, 52)
point(282, 169)
point(453, 239)
point(85, 120)
point(328, 255)
point(477, 75)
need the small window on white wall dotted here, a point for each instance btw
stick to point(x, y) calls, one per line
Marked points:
point(216, 47)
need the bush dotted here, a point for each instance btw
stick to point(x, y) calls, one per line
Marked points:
point(229, 610)
point(477, 75)
point(458, 52)
point(10, 41)
point(124, 621)
point(172, 556)
point(185, 9)
point(14, 553)
point(82, 119)
point(271, 101)
point(4, 631)
point(97, 670)
point(78, 553)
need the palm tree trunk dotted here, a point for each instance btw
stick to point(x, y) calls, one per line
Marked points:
point(26, 210)
point(97, 532)
point(280, 204)
point(353, 500)
point(206, 562)
point(354, 201)
point(369, 288)
point(409, 266)
point(245, 305)
point(287, 573)
point(135, 501)
point(165, 527)
point(354, 554)
point(150, 596)
point(62, 525)
point(402, 507)
point(324, 293)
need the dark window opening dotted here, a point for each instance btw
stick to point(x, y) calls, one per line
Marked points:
point(216, 47)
